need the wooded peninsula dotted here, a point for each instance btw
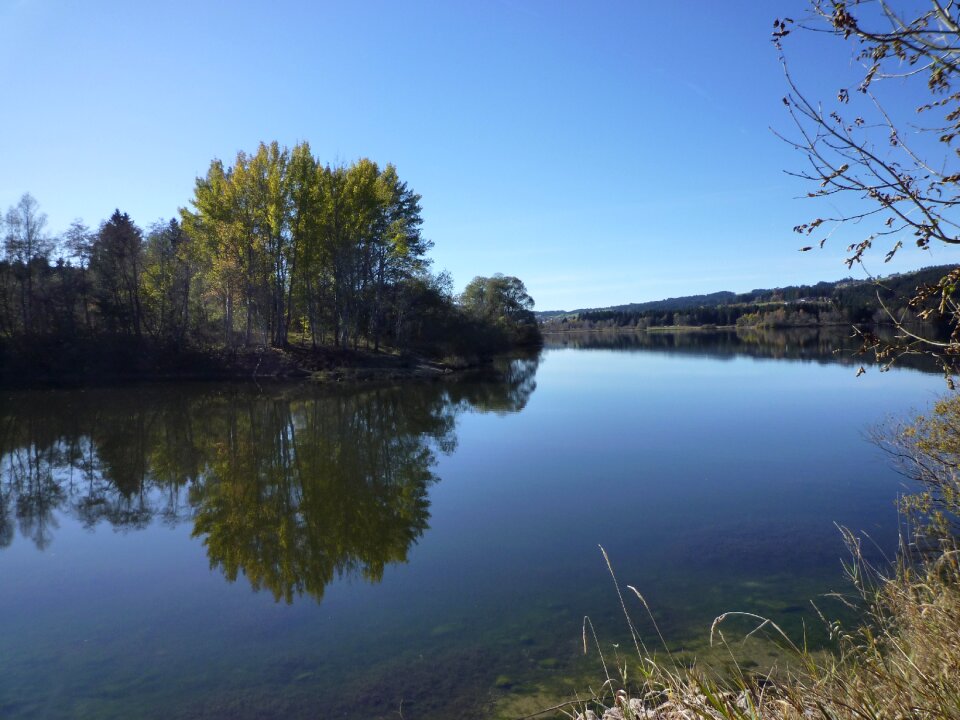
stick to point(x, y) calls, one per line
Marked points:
point(281, 265)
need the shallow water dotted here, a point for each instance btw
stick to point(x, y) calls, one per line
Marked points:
point(225, 551)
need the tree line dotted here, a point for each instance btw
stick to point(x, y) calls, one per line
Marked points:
point(846, 302)
point(276, 249)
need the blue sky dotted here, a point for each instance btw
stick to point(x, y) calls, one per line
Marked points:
point(602, 152)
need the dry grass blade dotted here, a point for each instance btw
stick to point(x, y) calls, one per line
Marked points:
point(587, 621)
point(652, 619)
point(763, 623)
point(637, 640)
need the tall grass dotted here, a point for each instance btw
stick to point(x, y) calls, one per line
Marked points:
point(901, 661)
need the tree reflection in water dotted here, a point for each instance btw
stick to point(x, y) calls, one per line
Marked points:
point(290, 487)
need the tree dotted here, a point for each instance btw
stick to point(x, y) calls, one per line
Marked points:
point(25, 237)
point(927, 450)
point(306, 246)
point(25, 242)
point(218, 243)
point(400, 250)
point(502, 302)
point(305, 192)
point(166, 280)
point(116, 263)
point(267, 194)
point(901, 173)
point(77, 240)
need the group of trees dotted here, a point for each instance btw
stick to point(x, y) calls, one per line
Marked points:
point(275, 248)
point(289, 243)
point(84, 282)
point(116, 280)
point(774, 314)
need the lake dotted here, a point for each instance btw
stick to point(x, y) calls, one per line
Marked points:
point(430, 550)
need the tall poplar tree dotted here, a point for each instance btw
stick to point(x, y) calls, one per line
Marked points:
point(314, 247)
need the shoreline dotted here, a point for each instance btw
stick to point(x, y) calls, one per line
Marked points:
point(658, 328)
point(59, 366)
point(701, 328)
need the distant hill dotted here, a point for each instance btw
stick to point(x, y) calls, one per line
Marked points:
point(841, 301)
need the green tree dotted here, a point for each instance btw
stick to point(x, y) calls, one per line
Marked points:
point(306, 200)
point(399, 253)
point(266, 193)
point(166, 280)
point(502, 302)
point(219, 245)
point(116, 263)
point(317, 248)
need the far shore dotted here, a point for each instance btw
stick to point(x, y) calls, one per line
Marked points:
point(546, 330)
point(658, 328)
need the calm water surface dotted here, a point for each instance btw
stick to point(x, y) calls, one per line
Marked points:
point(225, 551)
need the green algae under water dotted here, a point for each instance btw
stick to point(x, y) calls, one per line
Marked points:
point(227, 551)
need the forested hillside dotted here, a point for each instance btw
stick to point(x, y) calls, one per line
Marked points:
point(845, 301)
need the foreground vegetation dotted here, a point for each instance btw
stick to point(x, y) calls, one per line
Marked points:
point(904, 662)
point(276, 250)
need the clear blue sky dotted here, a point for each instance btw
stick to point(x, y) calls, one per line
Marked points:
point(602, 152)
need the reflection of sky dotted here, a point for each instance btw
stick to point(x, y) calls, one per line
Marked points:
point(636, 449)
point(703, 479)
